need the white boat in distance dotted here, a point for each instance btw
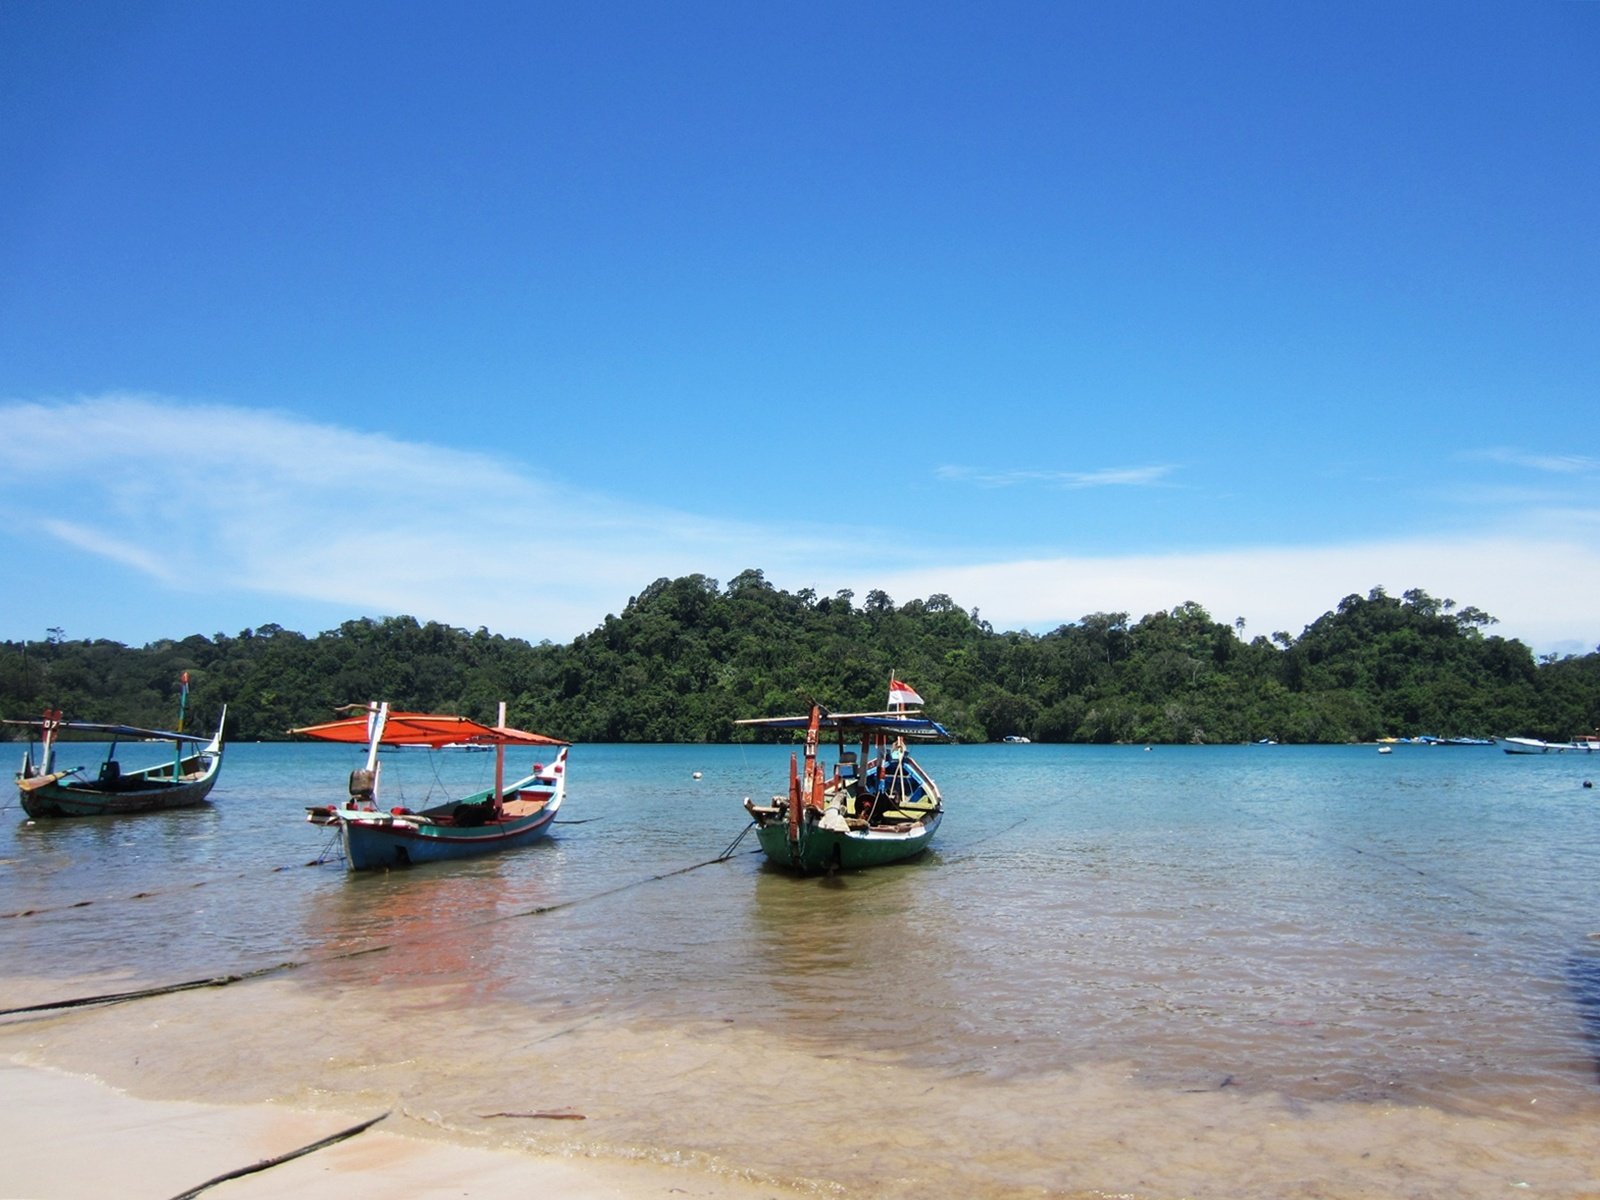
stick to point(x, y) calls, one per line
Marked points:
point(1584, 744)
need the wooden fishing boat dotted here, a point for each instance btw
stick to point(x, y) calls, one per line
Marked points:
point(499, 818)
point(183, 782)
point(876, 805)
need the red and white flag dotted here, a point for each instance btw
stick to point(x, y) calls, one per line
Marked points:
point(901, 694)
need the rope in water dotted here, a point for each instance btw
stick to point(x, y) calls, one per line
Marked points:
point(198, 883)
point(328, 853)
point(218, 981)
point(141, 993)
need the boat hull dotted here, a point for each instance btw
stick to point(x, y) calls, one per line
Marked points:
point(1535, 746)
point(374, 841)
point(821, 849)
point(151, 790)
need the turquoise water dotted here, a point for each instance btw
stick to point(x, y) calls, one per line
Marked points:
point(1318, 925)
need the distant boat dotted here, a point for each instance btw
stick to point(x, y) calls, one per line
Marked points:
point(182, 782)
point(453, 747)
point(1385, 749)
point(878, 806)
point(498, 818)
point(1016, 739)
point(1520, 745)
point(1585, 743)
point(1433, 739)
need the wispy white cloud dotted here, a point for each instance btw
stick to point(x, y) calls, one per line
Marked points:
point(1556, 464)
point(1540, 586)
point(97, 542)
point(1150, 476)
point(207, 499)
point(217, 497)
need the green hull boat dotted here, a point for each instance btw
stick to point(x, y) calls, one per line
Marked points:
point(182, 782)
point(821, 850)
point(874, 805)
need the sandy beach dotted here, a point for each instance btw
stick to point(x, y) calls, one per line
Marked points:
point(82, 1138)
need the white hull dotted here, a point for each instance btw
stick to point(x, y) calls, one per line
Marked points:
point(1535, 746)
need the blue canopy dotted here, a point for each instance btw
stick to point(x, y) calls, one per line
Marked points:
point(116, 731)
point(908, 725)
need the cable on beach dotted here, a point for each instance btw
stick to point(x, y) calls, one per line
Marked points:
point(276, 1160)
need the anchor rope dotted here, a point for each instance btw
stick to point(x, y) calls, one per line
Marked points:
point(153, 892)
point(289, 1156)
point(218, 981)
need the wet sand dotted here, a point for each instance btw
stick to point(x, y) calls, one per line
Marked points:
point(162, 1094)
point(67, 1138)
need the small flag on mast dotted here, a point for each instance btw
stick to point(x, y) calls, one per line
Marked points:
point(902, 694)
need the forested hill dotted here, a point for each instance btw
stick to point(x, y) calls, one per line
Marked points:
point(687, 657)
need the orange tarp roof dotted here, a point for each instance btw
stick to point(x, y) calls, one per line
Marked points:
point(425, 729)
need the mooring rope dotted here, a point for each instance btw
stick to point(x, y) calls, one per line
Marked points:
point(218, 981)
point(728, 853)
point(153, 892)
point(140, 993)
point(264, 1164)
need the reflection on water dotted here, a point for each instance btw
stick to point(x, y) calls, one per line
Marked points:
point(1191, 933)
point(428, 928)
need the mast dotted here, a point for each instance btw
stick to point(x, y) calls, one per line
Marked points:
point(52, 725)
point(377, 721)
point(177, 746)
point(500, 760)
point(806, 789)
point(898, 754)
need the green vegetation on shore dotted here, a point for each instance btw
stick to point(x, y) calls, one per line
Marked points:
point(687, 657)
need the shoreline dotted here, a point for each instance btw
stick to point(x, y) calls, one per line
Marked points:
point(228, 1096)
point(83, 1137)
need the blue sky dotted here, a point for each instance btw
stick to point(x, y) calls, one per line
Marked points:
point(494, 313)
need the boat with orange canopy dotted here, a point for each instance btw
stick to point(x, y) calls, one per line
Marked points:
point(502, 817)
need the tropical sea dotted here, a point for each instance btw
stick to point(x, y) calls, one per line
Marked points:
point(1234, 971)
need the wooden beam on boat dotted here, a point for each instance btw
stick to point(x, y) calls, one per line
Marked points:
point(39, 781)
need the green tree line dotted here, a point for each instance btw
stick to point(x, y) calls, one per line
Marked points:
point(688, 657)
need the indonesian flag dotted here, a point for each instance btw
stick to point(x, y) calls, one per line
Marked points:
point(902, 694)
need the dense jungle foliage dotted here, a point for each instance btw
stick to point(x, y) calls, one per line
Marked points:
point(688, 657)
